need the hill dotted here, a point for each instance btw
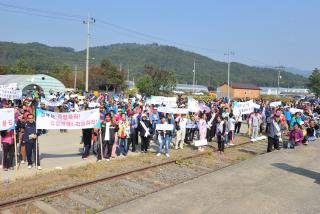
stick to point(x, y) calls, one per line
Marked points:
point(209, 72)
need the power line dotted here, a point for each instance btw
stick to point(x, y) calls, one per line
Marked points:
point(123, 30)
point(41, 11)
point(38, 15)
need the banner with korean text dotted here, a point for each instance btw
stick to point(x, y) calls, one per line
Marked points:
point(10, 92)
point(244, 107)
point(69, 120)
point(6, 119)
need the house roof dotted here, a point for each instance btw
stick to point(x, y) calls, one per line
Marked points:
point(243, 86)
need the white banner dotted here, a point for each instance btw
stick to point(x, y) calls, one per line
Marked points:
point(198, 143)
point(276, 104)
point(167, 127)
point(6, 119)
point(52, 103)
point(170, 110)
point(10, 92)
point(167, 101)
point(193, 105)
point(244, 107)
point(70, 120)
point(295, 110)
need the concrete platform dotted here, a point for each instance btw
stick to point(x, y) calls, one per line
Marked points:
point(285, 181)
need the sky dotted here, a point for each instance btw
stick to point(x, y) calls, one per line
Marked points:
point(259, 32)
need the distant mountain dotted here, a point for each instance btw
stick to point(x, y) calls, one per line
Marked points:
point(302, 72)
point(134, 56)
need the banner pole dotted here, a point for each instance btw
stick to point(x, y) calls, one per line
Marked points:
point(101, 148)
point(37, 154)
point(15, 149)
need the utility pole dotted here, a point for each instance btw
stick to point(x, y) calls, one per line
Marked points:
point(89, 21)
point(75, 76)
point(279, 68)
point(228, 54)
point(194, 74)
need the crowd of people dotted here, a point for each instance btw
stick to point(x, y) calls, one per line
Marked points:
point(130, 124)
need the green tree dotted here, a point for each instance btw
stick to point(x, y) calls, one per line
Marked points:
point(106, 75)
point(314, 82)
point(155, 81)
point(22, 67)
point(146, 85)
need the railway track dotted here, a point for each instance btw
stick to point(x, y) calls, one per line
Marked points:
point(104, 193)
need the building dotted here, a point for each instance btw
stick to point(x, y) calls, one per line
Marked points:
point(284, 91)
point(28, 83)
point(239, 90)
point(189, 88)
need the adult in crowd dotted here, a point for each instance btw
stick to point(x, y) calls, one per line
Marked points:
point(181, 126)
point(108, 134)
point(7, 142)
point(275, 130)
point(163, 138)
point(30, 138)
point(145, 129)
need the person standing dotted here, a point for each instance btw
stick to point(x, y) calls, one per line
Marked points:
point(275, 129)
point(211, 122)
point(30, 138)
point(86, 139)
point(181, 126)
point(202, 129)
point(238, 123)
point(133, 122)
point(255, 121)
point(144, 129)
point(221, 134)
point(123, 134)
point(163, 138)
point(231, 128)
point(108, 135)
point(7, 139)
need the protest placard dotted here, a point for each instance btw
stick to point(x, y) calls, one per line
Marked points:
point(52, 103)
point(244, 107)
point(6, 119)
point(170, 110)
point(10, 92)
point(166, 127)
point(198, 143)
point(193, 105)
point(167, 101)
point(295, 110)
point(275, 104)
point(70, 120)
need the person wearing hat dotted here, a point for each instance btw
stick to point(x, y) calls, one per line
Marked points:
point(144, 129)
point(275, 130)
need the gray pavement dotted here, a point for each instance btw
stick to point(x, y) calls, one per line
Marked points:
point(285, 181)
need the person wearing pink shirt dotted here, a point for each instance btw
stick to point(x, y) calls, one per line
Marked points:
point(7, 138)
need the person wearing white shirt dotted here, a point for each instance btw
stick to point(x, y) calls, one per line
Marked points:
point(181, 126)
